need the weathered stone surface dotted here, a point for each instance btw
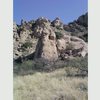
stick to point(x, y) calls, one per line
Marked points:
point(72, 46)
point(21, 39)
point(79, 27)
point(57, 23)
point(46, 47)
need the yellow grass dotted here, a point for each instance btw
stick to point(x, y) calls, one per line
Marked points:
point(50, 86)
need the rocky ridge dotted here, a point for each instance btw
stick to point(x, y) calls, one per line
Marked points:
point(79, 27)
point(42, 38)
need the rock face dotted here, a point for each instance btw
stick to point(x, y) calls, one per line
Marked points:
point(83, 20)
point(42, 38)
point(71, 46)
point(46, 47)
point(24, 43)
point(79, 27)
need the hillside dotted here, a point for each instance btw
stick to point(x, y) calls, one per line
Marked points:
point(51, 59)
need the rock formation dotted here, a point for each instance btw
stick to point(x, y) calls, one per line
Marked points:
point(42, 38)
point(79, 27)
point(46, 47)
point(71, 46)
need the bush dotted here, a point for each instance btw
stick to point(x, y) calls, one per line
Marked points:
point(43, 64)
point(59, 35)
point(23, 68)
point(26, 45)
point(39, 63)
point(28, 67)
point(77, 67)
point(78, 62)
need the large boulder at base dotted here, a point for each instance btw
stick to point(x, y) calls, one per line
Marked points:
point(71, 46)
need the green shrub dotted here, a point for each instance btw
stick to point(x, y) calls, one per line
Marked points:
point(30, 66)
point(78, 62)
point(23, 68)
point(26, 45)
point(59, 35)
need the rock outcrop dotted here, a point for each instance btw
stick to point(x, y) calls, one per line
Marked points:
point(79, 27)
point(71, 46)
point(50, 40)
point(46, 46)
point(24, 43)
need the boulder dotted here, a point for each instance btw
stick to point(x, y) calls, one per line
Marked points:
point(71, 46)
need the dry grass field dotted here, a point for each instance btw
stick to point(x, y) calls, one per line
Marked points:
point(56, 85)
